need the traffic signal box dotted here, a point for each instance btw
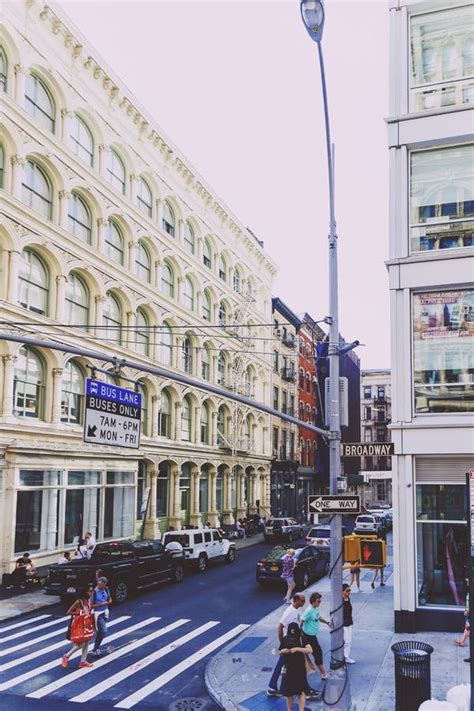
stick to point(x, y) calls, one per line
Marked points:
point(369, 550)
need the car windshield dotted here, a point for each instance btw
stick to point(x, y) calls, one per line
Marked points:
point(319, 533)
point(274, 522)
point(365, 519)
point(181, 538)
point(108, 552)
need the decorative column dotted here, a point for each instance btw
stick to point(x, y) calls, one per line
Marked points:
point(180, 231)
point(152, 524)
point(66, 117)
point(61, 281)
point(178, 353)
point(253, 493)
point(14, 268)
point(178, 409)
point(20, 83)
point(195, 517)
point(196, 425)
point(175, 498)
point(18, 165)
point(214, 429)
point(179, 282)
point(240, 513)
point(134, 181)
point(102, 227)
point(213, 514)
point(8, 380)
point(99, 314)
point(56, 405)
point(132, 255)
point(227, 513)
point(103, 160)
point(265, 506)
point(155, 408)
point(156, 275)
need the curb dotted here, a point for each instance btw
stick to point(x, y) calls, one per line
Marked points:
point(34, 608)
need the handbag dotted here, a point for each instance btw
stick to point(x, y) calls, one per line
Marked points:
point(82, 628)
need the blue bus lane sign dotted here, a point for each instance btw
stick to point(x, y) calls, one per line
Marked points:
point(112, 415)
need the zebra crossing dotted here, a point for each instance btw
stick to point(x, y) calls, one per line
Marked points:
point(143, 657)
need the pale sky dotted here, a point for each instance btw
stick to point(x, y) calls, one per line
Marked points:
point(235, 85)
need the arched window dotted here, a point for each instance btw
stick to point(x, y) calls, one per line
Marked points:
point(142, 334)
point(39, 103)
point(116, 171)
point(205, 424)
point(28, 394)
point(308, 383)
point(308, 453)
point(186, 420)
point(33, 279)
point(189, 239)
point(206, 306)
point(222, 315)
point(167, 280)
point(164, 415)
point(236, 281)
point(206, 254)
point(2, 166)
point(144, 408)
point(3, 70)
point(187, 352)
point(449, 61)
point(248, 383)
point(112, 319)
point(37, 192)
point(144, 198)
point(166, 345)
point(81, 140)
point(205, 364)
point(188, 294)
point(221, 368)
point(80, 219)
point(114, 243)
point(168, 220)
point(72, 393)
point(468, 57)
point(220, 425)
point(77, 301)
point(143, 263)
point(222, 269)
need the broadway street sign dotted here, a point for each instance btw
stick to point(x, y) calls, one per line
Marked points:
point(112, 415)
point(367, 449)
point(334, 504)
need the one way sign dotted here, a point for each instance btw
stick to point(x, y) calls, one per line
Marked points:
point(333, 504)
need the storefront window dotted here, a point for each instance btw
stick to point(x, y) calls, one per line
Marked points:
point(438, 502)
point(37, 512)
point(443, 328)
point(162, 492)
point(119, 509)
point(442, 54)
point(442, 556)
point(442, 198)
point(203, 492)
point(82, 513)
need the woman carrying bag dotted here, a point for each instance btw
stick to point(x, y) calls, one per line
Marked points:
point(294, 680)
point(81, 629)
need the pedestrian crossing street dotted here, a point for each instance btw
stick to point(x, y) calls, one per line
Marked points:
point(143, 657)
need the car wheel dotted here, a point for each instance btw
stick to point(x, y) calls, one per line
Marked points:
point(202, 563)
point(120, 592)
point(303, 581)
point(178, 574)
point(230, 557)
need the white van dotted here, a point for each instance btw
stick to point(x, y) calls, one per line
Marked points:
point(202, 545)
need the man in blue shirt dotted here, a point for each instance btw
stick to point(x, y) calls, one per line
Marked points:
point(100, 607)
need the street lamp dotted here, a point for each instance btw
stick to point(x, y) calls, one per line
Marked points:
point(337, 692)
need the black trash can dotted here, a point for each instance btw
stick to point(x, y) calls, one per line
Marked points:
point(412, 674)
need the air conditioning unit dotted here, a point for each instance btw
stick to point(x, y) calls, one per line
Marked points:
point(277, 332)
point(343, 401)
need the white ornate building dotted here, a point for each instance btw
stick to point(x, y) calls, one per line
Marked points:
point(110, 240)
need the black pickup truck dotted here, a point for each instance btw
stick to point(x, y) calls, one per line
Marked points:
point(127, 565)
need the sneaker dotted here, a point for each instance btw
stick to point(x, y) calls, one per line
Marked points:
point(348, 660)
point(324, 677)
point(313, 694)
point(382, 585)
point(84, 665)
point(372, 585)
point(273, 692)
point(64, 661)
point(96, 653)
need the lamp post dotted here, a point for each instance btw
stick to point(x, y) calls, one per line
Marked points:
point(337, 692)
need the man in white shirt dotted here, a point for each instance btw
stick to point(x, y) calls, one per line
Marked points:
point(89, 543)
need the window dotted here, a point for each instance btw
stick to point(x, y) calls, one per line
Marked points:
point(188, 294)
point(164, 415)
point(221, 368)
point(187, 353)
point(275, 361)
point(144, 198)
point(205, 424)
point(143, 263)
point(39, 103)
point(33, 280)
point(220, 425)
point(222, 315)
point(114, 243)
point(381, 392)
point(142, 333)
point(292, 446)
point(236, 281)
point(80, 219)
point(112, 319)
point(116, 171)
point(301, 410)
point(38, 493)
point(76, 301)
point(276, 398)
point(119, 505)
point(205, 364)
point(162, 491)
point(144, 409)
point(275, 441)
point(308, 383)
point(168, 220)
point(284, 435)
point(443, 330)
point(206, 254)
point(82, 143)
point(367, 392)
point(284, 401)
point(72, 393)
point(37, 191)
point(381, 435)
point(441, 58)
point(29, 384)
point(186, 420)
point(206, 306)
point(368, 413)
point(167, 280)
point(291, 411)
point(189, 239)
point(166, 345)
point(3, 70)
point(222, 269)
point(367, 434)
point(442, 198)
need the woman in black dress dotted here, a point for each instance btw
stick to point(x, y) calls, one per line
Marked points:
point(294, 682)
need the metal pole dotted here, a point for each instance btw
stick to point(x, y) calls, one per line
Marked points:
point(337, 692)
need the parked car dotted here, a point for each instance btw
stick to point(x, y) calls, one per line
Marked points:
point(127, 565)
point(385, 516)
point(320, 537)
point(310, 565)
point(201, 546)
point(282, 529)
point(367, 523)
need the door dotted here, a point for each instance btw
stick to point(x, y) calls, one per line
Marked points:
point(217, 544)
point(146, 563)
point(184, 507)
point(208, 544)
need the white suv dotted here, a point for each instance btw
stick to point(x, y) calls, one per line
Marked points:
point(201, 545)
point(367, 523)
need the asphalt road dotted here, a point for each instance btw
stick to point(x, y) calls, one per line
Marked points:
point(201, 614)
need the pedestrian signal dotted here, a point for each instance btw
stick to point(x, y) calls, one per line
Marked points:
point(351, 549)
point(373, 553)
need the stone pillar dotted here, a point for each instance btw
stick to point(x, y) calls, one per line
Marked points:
point(132, 255)
point(134, 181)
point(18, 166)
point(156, 274)
point(180, 285)
point(152, 524)
point(56, 405)
point(180, 231)
point(175, 498)
point(178, 353)
point(103, 160)
point(253, 493)
point(20, 83)
point(13, 284)
point(66, 117)
point(241, 512)
point(213, 514)
point(61, 281)
point(155, 408)
point(195, 517)
point(214, 429)
point(196, 425)
point(8, 375)
point(227, 513)
point(265, 505)
point(99, 314)
point(178, 409)
point(102, 227)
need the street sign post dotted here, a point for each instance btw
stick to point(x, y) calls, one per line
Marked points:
point(330, 503)
point(367, 449)
point(112, 415)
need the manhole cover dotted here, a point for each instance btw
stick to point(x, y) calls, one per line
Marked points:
point(192, 704)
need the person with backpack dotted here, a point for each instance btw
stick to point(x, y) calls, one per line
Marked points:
point(100, 600)
point(81, 630)
point(295, 653)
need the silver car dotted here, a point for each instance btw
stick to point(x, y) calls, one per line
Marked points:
point(282, 529)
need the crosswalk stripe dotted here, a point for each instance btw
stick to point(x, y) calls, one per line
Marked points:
point(50, 665)
point(29, 642)
point(80, 673)
point(22, 624)
point(141, 664)
point(185, 664)
point(33, 630)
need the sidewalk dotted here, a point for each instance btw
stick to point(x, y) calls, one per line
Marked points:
point(237, 677)
point(24, 603)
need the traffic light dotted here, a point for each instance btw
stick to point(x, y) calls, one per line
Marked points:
point(373, 553)
point(351, 549)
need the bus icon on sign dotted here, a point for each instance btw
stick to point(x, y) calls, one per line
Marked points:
point(94, 388)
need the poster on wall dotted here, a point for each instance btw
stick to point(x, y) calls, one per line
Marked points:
point(443, 329)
